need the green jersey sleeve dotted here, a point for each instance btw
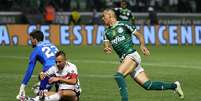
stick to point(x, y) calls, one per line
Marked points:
point(130, 27)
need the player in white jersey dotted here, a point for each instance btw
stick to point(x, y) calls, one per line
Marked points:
point(65, 75)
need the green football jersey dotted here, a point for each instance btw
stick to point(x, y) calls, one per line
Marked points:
point(123, 14)
point(120, 37)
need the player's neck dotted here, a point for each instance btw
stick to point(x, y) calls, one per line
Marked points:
point(113, 22)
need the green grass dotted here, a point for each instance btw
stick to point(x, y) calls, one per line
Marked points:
point(96, 69)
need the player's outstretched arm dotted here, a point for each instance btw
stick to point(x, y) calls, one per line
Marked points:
point(143, 48)
point(27, 76)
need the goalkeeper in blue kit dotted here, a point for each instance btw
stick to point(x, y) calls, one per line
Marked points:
point(44, 52)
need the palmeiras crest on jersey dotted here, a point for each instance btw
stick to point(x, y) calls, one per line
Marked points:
point(120, 30)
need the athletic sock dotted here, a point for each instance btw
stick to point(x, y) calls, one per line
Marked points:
point(122, 86)
point(156, 85)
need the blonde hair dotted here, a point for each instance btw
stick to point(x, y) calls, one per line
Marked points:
point(110, 12)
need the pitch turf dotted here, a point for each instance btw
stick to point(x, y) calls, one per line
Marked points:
point(96, 69)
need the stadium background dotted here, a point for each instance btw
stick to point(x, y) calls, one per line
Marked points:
point(175, 48)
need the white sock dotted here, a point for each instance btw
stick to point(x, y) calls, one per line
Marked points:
point(37, 98)
point(54, 97)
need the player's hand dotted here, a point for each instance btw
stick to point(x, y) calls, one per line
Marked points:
point(108, 50)
point(21, 94)
point(144, 50)
point(53, 79)
point(42, 75)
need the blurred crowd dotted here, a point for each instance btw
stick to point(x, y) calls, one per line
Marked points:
point(45, 11)
point(99, 5)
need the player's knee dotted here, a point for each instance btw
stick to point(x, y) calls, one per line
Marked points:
point(147, 85)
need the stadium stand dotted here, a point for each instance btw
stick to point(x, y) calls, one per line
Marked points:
point(32, 11)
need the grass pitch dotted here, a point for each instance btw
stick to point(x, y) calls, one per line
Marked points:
point(96, 69)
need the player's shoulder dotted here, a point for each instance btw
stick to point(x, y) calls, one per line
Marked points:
point(41, 43)
point(123, 23)
point(36, 50)
point(71, 64)
point(71, 67)
point(126, 24)
point(44, 43)
point(54, 67)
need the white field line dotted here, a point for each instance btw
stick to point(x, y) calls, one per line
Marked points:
point(144, 63)
point(14, 57)
point(167, 64)
point(6, 75)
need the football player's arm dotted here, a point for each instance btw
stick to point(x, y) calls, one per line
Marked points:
point(72, 80)
point(27, 76)
point(107, 46)
point(50, 72)
point(31, 65)
point(143, 48)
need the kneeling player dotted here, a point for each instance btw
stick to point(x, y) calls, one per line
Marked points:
point(66, 76)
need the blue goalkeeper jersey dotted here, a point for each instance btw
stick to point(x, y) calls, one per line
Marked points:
point(44, 52)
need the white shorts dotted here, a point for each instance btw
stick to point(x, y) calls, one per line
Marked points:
point(65, 86)
point(70, 87)
point(75, 88)
point(136, 57)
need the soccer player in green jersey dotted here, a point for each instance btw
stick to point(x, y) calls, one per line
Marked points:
point(119, 35)
point(123, 13)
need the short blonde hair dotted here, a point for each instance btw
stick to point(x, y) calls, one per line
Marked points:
point(110, 12)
